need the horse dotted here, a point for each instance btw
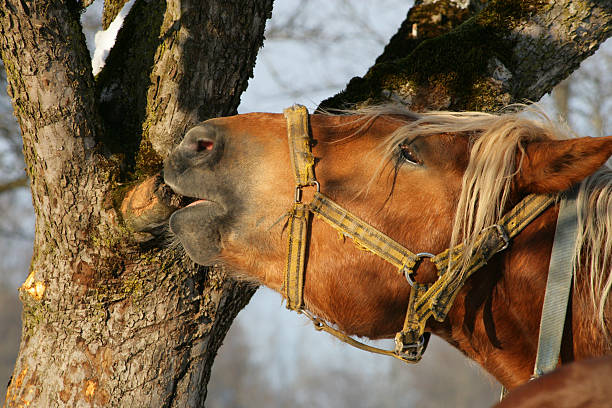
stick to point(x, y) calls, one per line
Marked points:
point(584, 383)
point(430, 181)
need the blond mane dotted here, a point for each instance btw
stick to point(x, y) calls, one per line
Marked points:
point(496, 141)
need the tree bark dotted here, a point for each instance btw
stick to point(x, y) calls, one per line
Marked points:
point(511, 51)
point(112, 315)
point(110, 318)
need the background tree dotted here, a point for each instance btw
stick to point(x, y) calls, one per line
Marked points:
point(137, 323)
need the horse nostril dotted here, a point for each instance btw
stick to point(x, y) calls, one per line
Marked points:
point(204, 144)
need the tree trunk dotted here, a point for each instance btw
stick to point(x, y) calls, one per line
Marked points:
point(113, 314)
point(112, 317)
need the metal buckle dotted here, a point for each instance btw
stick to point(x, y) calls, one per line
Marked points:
point(408, 272)
point(412, 352)
point(503, 235)
point(298, 190)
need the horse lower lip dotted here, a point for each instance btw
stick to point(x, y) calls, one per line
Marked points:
point(198, 202)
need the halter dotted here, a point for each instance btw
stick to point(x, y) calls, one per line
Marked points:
point(426, 300)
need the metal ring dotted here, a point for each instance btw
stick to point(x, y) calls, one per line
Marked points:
point(408, 272)
point(298, 190)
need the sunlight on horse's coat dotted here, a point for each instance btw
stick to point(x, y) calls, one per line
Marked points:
point(410, 176)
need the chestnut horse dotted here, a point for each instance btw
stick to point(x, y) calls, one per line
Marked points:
point(429, 181)
point(584, 383)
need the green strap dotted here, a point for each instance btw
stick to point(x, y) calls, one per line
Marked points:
point(363, 234)
point(560, 272)
point(298, 136)
point(297, 229)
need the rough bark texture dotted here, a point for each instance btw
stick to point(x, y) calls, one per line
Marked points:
point(112, 316)
point(512, 51)
point(111, 9)
point(425, 20)
point(110, 320)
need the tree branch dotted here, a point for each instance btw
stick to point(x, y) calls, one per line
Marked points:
point(111, 9)
point(12, 185)
point(49, 75)
point(511, 51)
point(425, 20)
point(123, 83)
point(207, 40)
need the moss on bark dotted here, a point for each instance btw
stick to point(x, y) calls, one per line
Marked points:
point(111, 9)
point(449, 71)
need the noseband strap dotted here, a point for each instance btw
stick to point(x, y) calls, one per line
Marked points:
point(426, 300)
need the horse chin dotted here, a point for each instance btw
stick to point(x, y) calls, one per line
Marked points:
point(198, 229)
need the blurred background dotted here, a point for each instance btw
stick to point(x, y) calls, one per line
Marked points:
point(273, 357)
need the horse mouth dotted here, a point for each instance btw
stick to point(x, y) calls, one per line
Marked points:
point(198, 227)
point(197, 202)
point(190, 201)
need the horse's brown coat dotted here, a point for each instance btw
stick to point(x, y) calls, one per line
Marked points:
point(245, 172)
point(583, 383)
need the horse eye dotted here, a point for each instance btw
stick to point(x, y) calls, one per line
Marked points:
point(408, 155)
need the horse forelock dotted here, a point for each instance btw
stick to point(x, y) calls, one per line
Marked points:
point(497, 147)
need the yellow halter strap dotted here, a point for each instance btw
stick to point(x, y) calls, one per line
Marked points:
point(426, 300)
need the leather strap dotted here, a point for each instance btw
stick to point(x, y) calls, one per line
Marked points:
point(560, 272)
point(297, 229)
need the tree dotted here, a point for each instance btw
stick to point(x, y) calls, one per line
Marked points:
point(112, 314)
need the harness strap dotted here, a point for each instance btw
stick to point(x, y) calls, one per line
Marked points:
point(436, 299)
point(425, 300)
point(362, 233)
point(298, 225)
point(299, 221)
point(560, 272)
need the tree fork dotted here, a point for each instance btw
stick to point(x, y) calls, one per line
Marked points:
point(109, 319)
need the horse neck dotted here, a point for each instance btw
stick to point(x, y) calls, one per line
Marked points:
point(496, 317)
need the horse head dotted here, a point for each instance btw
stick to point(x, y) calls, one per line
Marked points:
point(429, 181)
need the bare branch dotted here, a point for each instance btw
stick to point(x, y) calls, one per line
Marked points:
point(12, 185)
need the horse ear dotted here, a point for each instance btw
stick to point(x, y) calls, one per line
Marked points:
point(556, 165)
